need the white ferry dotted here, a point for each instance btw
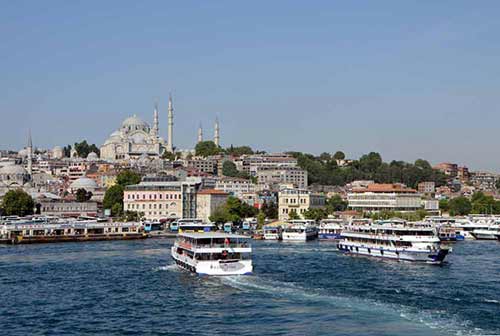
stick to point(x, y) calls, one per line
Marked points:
point(465, 227)
point(491, 233)
point(330, 228)
point(272, 232)
point(213, 253)
point(393, 240)
point(300, 230)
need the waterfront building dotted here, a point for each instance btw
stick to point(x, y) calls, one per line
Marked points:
point(298, 200)
point(64, 208)
point(207, 201)
point(376, 197)
point(161, 197)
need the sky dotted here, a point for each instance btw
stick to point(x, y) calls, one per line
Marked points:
point(407, 79)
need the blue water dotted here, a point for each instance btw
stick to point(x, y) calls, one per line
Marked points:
point(132, 288)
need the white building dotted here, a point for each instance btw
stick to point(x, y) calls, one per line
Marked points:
point(235, 186)
point(207, 201)
point(298, 200)
point(376, 197)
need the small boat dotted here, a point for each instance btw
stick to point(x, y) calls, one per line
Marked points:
point(213, 253)
point(490, 233)
point(300, 230)
point(330, 228)
point(272, 232)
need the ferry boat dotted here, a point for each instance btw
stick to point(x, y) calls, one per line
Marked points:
point(72, 231)
point(491, 233)
point(273, 232)
point(394, 240)
point(300, 230)
point(213, 253)
point(330, 228)
point(464, 228)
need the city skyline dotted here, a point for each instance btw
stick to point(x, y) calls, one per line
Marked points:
point(406, 80)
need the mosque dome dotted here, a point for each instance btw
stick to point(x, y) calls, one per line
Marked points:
point(84, 183)
point(92, 156)
point(13, 170)
point(135, 123)
point(23, 152)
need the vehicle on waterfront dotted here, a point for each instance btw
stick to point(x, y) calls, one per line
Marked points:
point(394, 240)
point(228, 227)
point(213, 253)
point(273, 232)
point(330, 228)
point(300, 230)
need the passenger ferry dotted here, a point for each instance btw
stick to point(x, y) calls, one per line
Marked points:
point(394, 240)
point(300, 230)
point(213, 253)
point(273, 232)
point(330, 228)
point(464, 228)
point(491, 233)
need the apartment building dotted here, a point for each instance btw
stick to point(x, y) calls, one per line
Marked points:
point(298, 200)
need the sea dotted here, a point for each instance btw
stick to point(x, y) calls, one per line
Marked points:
point(133, 288)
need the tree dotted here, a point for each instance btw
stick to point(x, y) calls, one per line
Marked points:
point(128, 177)
point(270, 210)
point(67, 151)
point(113, 199)
point(229, 169)
point(325, 156)
point(232, 211)
point(316, 214)
point(17, 203)
point(293, 215)
point(443, 205)
point(483, 204)
point(238, 151)
point(336, 203)
point(497, 184)
point(207, 148)
point(460, 206)
point(261, 219)
point(83, 195)
point(339, 155)
point(168, 156)
point(83, 149)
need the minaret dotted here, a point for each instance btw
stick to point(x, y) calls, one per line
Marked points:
point(200, 134)
point(30, 154)
point(216, 132)
point(156, 128)
point(170, 146)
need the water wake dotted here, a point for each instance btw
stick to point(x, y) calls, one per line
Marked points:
point(439, 320)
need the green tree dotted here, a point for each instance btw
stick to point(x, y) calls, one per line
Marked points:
point(483, 204)
point(336, 203)
point(17, 203)
point(497, 184)
point(339, 155)
point(270, 209)
point(261, 219)
point(128, 177)
point(237, 151)
point(444, 205)
point(232, 211)
point(229, 169)
point(168, 156)
point(293, 215)
point(460, 206)
point(83, 195)
point(113, 199)
point(207, 148)
point(316, 214)
point(325, 156)
point(83, 149)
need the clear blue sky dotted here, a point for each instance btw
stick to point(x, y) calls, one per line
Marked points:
point(408, 79)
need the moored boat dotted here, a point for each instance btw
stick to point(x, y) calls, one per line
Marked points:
point(394, 240)
point(213, 253)
point(330, 228)
point(272, 232)
point(300, 230)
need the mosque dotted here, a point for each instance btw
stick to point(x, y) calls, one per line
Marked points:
point(135, 139)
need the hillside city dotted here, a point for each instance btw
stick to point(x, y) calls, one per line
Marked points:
point(137, 175)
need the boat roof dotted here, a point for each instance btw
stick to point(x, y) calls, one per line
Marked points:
point(201, 235)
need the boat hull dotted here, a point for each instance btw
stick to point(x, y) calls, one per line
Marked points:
point(327, 236)
point(213, 267)
point(427, 256)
